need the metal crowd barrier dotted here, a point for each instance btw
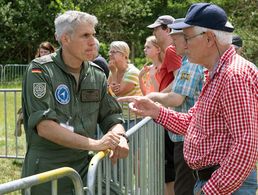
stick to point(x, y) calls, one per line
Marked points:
point(141, 173)
point(11, 146)
point(49, 176)
point(13, 73)
point(1, 72)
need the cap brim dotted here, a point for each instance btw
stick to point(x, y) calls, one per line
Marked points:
point(228, 27)
point(176, 32)
point(154, 25)
point(180, 25)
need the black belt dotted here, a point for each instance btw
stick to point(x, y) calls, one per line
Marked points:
point(205, 173)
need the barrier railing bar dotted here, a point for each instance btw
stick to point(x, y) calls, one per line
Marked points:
point(28, 182)
point(93, 167)
point(92, 170)
point(54, 187)
point(5, 124)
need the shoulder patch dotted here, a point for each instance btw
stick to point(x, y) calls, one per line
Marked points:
point(39, 90)
point(43, 60)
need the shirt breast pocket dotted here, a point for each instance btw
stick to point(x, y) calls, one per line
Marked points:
point(89, 117)
point(208, 115)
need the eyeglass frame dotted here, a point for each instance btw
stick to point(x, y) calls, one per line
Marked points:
point(191, 37)
point(114, 52)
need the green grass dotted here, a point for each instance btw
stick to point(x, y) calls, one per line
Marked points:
point(10, 168)
point(10, 103)
point(13, 85)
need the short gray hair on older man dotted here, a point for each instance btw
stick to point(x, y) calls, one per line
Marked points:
point(222, 36)
point(68, 21)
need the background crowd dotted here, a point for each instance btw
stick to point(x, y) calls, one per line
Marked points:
point(177, 71)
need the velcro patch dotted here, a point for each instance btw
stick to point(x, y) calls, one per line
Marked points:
point(39, 89)
point(185, 76)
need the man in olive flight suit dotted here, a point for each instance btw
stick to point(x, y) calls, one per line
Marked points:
point(64, 97)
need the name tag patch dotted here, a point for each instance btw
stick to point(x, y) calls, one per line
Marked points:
point(90, 95)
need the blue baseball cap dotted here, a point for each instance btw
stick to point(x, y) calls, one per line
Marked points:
point(205, 15)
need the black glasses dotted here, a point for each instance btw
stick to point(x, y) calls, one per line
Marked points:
point(189, 38)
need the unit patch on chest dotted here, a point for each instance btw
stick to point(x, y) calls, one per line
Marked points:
point(62, 94)
point(90, 95)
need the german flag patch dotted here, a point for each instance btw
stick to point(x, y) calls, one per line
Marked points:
point(36, 70)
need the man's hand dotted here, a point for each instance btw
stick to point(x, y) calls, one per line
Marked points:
point(142, 106)
point(121, 151)
point(109, 141)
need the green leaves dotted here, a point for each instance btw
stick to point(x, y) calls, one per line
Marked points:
point(26, 23)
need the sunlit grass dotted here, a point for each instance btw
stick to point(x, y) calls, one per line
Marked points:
point(10, 145)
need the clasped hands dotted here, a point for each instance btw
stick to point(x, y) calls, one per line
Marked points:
point(115, 87)
point(116, 143)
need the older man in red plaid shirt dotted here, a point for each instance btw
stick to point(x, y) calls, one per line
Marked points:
point(221, 130)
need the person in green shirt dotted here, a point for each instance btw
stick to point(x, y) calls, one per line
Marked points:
point(64, 98)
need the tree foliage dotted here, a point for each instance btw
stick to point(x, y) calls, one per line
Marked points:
point(26, 23)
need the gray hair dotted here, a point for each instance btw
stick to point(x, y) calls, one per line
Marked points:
point(68, 21)
point(222, 36)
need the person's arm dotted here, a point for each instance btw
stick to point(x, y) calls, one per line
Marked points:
point(110, 120)
point(125, 87)
point(141, 80)
point(128, 83)
point(53, 132)
point(169, 87)
point(170, 99)
point(155, 84)
point(171, 120)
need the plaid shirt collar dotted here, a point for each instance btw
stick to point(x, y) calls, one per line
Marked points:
point(223, 60)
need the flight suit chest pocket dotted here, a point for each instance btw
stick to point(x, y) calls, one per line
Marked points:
point(89, 117)
point(90, 95)
point(90, 99)
point(89, 106)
